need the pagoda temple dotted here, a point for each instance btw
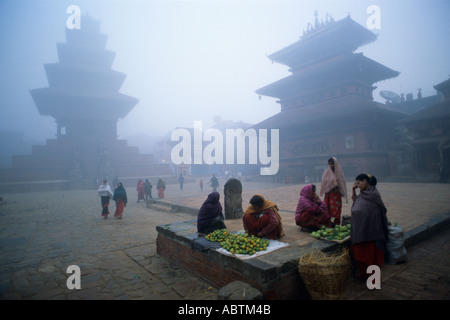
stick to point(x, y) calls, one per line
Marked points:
point(84, 99)
point(327, 106)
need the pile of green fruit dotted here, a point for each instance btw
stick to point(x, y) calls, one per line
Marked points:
point(337, 233)
point(238, 243)
point(218, 235)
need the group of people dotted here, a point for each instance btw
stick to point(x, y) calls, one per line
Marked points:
point(261, 218)
point(369, 224)
point(311, 212)
point(144, 189)
point(119, 196)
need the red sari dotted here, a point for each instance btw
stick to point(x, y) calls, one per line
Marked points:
point(120, 204)
point(141, 190)
point(367, 254)
point(333, 200)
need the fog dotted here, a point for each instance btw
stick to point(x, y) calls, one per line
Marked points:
point(192, 61)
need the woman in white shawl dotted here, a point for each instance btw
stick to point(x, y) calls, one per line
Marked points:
point(334, 187)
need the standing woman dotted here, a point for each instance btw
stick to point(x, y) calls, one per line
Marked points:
point(105, 193)
point(161, 186)
point(369, 224)
point(140, 190)
point(334, 187)
point(120, 197)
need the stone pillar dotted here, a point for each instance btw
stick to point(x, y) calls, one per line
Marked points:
point(233, 199)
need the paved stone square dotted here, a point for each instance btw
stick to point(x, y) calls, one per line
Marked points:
point(42, 233)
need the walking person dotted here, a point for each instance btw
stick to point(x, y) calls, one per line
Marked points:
point(334, 187)
point(120, 197)
point(140, 190)
point(105, 193)
point(201, 185)
point(369, 225)
point(214, 183)
point(148, 189)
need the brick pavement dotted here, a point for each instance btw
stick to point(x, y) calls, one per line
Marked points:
point(44, 232)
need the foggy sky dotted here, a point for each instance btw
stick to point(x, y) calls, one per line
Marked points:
point(190, 61)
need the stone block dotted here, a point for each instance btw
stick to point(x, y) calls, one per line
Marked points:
point(238, 290)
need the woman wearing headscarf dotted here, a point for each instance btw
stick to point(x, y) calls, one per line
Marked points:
point(334, 187)
point(210, 216)
point(140, 190)
point(120, 197)
point(369, 224)
point(311, 213)
point(261, 218)
point(161, 186)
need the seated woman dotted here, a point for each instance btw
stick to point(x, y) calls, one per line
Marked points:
point(210, 216)
point(311, 212)
point(369, 227)
point(262, 219)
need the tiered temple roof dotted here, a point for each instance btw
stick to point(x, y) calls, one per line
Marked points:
point(327, 106)
point(324, 66)
point(83, 90)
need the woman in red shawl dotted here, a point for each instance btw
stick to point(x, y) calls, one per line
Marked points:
point(369, 225)
point(334, 187)
point(262, 219)
point(311, 212)
point(141, 190)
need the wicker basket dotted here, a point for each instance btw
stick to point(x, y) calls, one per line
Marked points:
point(325, 281)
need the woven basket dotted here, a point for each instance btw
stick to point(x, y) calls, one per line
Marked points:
point(325, 282)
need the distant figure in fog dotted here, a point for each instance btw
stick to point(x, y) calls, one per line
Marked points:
point(105, 193)
point(181, 181)
point(120, 197)
point(161, 186)
point(148, 189)
point(214, 183)
point(334, 187)
point(140, 190)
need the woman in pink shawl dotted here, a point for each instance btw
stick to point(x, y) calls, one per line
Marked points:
point(334, 187)
point(141, 190)
point(311, 212)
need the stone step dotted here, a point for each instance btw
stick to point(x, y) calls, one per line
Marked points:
point(159, 207)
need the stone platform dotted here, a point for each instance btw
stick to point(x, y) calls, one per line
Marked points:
point(275, 274)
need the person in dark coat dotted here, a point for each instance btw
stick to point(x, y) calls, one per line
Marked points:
point(148, 189)
point(369, 224)
point(210, 216)
point(120, 197)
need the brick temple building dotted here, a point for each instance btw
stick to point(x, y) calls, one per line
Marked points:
point(84, 99)
point(327, 106)
point(429, 137)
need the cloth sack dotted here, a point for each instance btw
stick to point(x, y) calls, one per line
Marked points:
point(395, 246)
